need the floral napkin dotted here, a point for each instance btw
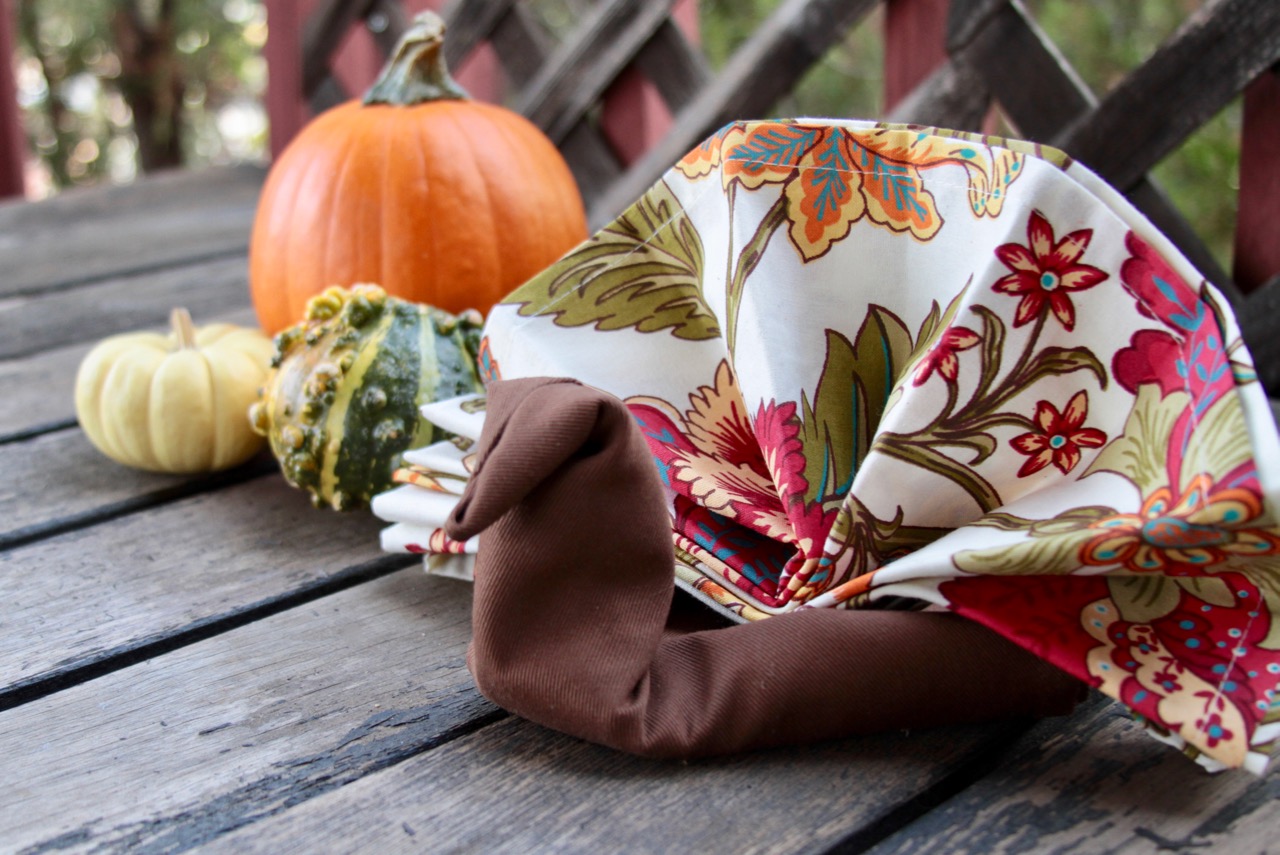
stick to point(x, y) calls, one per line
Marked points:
point(880, 364)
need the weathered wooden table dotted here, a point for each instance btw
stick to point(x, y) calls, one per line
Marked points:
point(210, 662)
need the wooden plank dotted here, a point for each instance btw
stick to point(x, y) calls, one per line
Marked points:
point(29, 325)
point(386, 22)
point(516, 787)
point(765, 68)
point(1098, 784)
point(1046, 93)
point(954, 96)
point(86, 235)
point(91, 599)
point(58, 482)
point(674, 66)
point(171, 752)
point(521, 42)
point(1226, 44)
point(39, 391)
point(287, 109)
point(1257, 251)
point(579, 71)
point(469, 23)
point(322, 32)
point(1260, 327)
point(522, 46)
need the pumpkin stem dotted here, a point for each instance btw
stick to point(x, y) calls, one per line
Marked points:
point(183, 329)
point(416, 72)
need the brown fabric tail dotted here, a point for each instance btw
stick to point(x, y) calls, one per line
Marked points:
point(574, 582)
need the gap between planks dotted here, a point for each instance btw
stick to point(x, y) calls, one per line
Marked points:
point(91, 601)
point(176, 750)
point(141, 492)
point(39, 390)
point(132, 653)
point(516, 787)
point(1098, 784)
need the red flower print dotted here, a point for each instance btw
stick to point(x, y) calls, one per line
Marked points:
point(942, 357)
point(1045, 271)
point(1060, 437)
point(1183, 535)
point(1213, 729)
point(1153, 356)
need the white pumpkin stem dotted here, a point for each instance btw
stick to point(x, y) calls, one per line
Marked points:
point(183, 329)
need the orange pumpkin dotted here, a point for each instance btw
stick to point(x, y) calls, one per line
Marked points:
point(436, 198)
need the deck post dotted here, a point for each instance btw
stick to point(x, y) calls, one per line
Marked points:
point(286, 105)
point(1257, 251)
point(13, 141)
point(915, 43)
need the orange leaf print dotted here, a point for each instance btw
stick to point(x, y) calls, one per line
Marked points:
point(822, 204)
point(766, 153)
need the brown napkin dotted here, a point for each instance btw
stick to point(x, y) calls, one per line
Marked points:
point(574, 586)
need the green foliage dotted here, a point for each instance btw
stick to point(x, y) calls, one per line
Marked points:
point(1104, 40)
point(74, 83)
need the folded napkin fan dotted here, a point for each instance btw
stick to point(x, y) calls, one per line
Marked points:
point(880, 364)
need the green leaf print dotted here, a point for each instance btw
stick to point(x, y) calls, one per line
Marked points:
point(850, 400)
point(1143, 599)
point(920, 453)
point(1054, 361)
point(1139, 454)
point(1055, 554)
point(642, 271)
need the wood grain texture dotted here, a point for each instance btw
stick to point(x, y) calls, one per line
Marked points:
point(1098, 784)
point(58, 481)
point(79, 599)
point(677, 69)
point(83, 236)
point(30, 325)
point(764, 69)
point(577, 73)
point(523, 45)
point(516, 787)
point(169, 753)
point(39, 391)
point(953, 96)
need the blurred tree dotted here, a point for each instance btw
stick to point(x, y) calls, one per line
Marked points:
point(112, 87)
point(151, 79)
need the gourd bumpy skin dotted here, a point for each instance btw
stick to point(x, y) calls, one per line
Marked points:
point(341, 405)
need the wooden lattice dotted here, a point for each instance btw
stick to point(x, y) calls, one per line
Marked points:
point(994, 54)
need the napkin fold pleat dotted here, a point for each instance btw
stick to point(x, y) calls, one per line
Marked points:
point(573, 624)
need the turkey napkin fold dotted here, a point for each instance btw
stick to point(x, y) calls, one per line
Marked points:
point(879, 363)
point(574, 586)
